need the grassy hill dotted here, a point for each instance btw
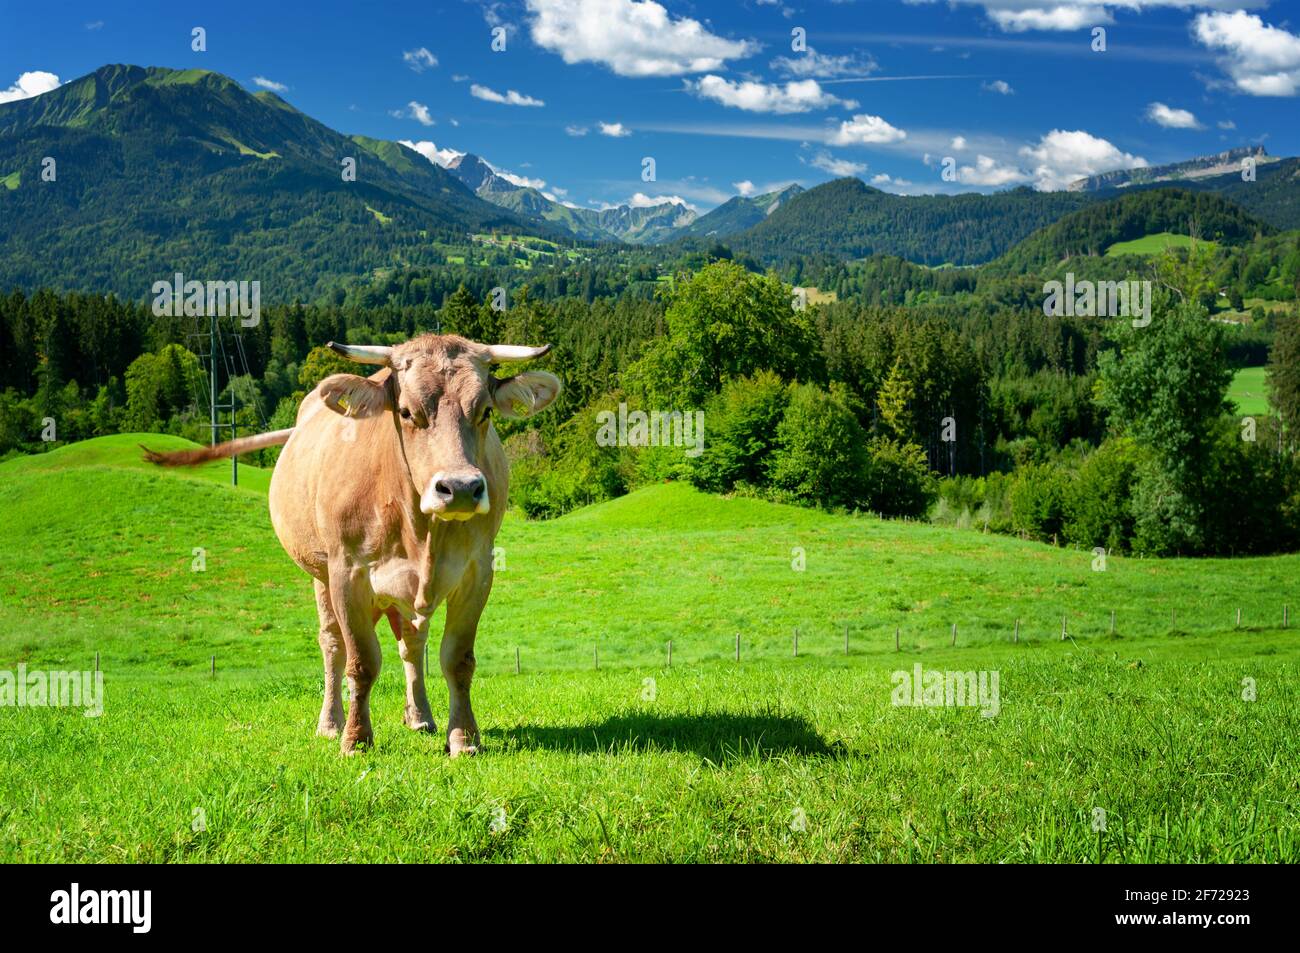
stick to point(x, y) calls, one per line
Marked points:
point(710, 759)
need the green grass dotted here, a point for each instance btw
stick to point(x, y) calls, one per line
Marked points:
point(1249, 391)
point(12, 180)
point(589, 765)
point(1153, 244)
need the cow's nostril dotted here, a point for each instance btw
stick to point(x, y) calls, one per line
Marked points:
point(480, 485)
point(443, 490)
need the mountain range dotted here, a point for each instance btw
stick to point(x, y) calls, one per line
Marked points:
point(130, 174)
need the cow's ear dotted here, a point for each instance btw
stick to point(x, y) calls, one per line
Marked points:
point(353, 395)
point(525, 394)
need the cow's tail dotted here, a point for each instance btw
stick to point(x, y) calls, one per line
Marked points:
point(190, 458)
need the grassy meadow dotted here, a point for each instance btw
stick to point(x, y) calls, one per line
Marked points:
point(772, 758)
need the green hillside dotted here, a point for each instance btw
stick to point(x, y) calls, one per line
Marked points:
point(708, 760)
point(162, 170)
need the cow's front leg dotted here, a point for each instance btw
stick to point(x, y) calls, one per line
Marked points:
point(353, 602)
point(413, 639)
point(334, 654)
point(464, 606)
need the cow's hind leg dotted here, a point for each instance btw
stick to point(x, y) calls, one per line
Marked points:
point(334, 654)
point(411, 642)
point(353, 600)
point(464, 606)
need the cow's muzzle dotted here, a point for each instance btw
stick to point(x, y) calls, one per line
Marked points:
point(456, 496)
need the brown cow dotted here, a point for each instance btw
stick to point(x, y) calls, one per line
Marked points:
point(389, 493)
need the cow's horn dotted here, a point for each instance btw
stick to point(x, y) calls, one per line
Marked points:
point(363, 353)
point(515, 352)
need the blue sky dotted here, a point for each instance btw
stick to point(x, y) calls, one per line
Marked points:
point(1011, 90)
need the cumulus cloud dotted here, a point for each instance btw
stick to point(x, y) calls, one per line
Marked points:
point(521, 180)
point(988, 171)
point(509, 98)
point(29, 85)
point(442, 157)
point(816, 65)
point(745, 188)
point(864, 130)
point(631, 37)
point(835, 166)
point(270, 84)
point(575, 130)
point(419, 59)
point(799, 96)
point(958, 143)
point(1018, 16)
point(1262, 60)
point(615, 130)
point(1000, 86)
point(1060, 157)
point(1171, 118)
point(417, 111)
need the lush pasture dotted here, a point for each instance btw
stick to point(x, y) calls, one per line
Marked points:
point(771, 758)
point(1249, 391)
point(1153, 244)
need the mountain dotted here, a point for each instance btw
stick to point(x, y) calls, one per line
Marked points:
point(1273, 197)
point(160, 170)
point(1221, 163)
point(635, 224)
point(845, 218)
point(737, 214)
point(1092, 230)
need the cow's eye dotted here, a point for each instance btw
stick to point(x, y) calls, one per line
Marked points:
point(486, 415)
point(406, 414)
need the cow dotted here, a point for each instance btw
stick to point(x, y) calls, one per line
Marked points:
point(389, 493)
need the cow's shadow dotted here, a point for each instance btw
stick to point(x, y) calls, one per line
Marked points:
point(717, 736)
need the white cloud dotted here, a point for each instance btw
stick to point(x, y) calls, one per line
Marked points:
point(1018, 16)
point(419, 112)
point(1262, 60)
point(641, 200)
point(521, 180)
point(509, 98)
point(800, 96)
point(822, 66)
point(988, 171)
point(270, 84)
point(615, 130)
point(419, 59)
point(1226, 124)
point(1061, 157)
point(1171, 118)
point(458, 77)
point(745, 188)
point(442, 157)
point(576, 130)
point(631, 37)
point(835, 166)
point(1000, 86)
point(29, 85)
point(866, 130)
point(958, 143)
point(95, 25)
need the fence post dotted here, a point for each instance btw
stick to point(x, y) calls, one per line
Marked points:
point(846, 638)
point(1063, 627)
point(1112, 621)
point(1239, 618)
point(737, 646)
point(214, 667)
point(796, 643)
point(1016, 637)
point(670, 653)
point(954, 633)
point(595, 658)
point(97, 663)
point(895, 638)
point(516, 660)
point(1285, 609)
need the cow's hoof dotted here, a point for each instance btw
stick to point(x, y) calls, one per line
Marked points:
point(325, 730)
point(356, 744)
point(461, 742)
point(417, 720)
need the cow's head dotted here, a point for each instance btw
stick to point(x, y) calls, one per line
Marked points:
point(441, 394)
